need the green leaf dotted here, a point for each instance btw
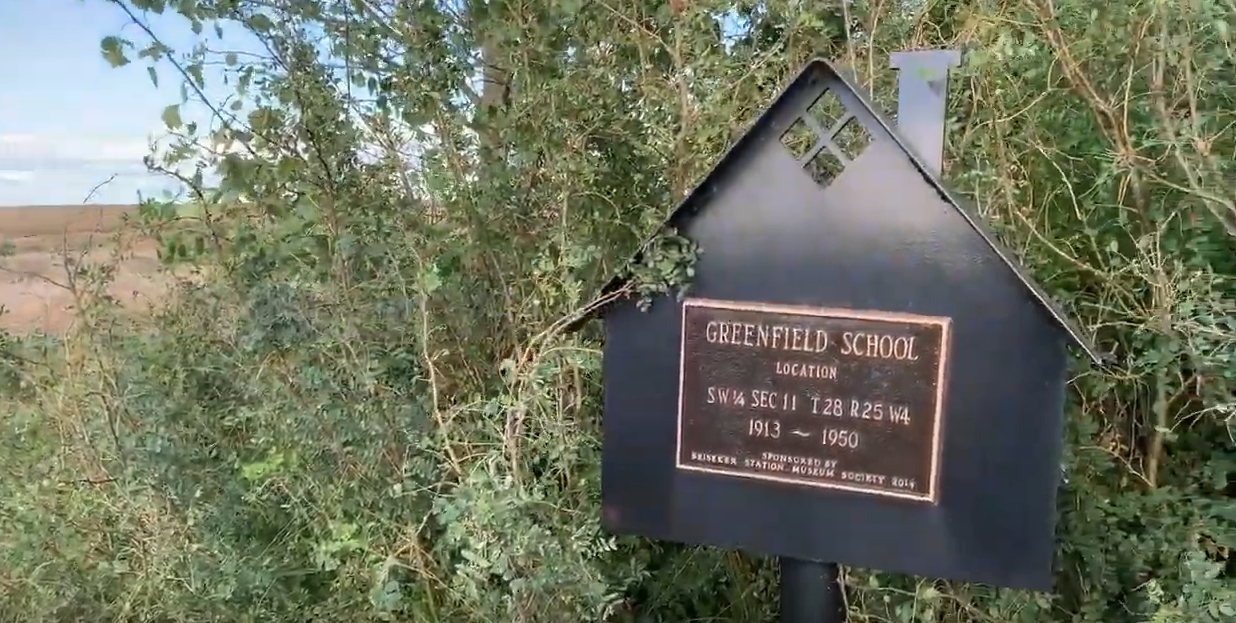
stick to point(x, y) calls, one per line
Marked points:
point(246, 78)
point(386, 596)
point(230, 59)
point(430, 280)
point(156, 6)
point(171, 117)
point(154, 76)
point(154, 51)
point(113, 51)
point(261, 23)
point(195, 72)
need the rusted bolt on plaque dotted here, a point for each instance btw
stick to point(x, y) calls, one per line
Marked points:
point(830, 398)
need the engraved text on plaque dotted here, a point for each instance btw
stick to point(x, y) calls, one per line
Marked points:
point(831, 398)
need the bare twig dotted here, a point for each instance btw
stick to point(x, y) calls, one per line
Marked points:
point(93, 191)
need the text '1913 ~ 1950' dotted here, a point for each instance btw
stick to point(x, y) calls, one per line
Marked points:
point(831, 398)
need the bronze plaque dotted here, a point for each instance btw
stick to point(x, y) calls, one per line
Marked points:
point(832, 398)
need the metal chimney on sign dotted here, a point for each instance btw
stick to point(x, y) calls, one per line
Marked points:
point(922, 95)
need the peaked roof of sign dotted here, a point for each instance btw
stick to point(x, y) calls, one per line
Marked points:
point(692, 202)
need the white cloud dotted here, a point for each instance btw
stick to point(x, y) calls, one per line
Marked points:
point(15, 177)
point(17, 139)
point(68, 166)
point(54, 149)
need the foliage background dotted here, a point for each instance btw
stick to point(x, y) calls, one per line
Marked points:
point(366, 406)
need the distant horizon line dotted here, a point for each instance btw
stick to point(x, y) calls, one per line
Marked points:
point(87, 206)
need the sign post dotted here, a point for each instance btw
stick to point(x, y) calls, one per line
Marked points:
point(861, 375)
point(811, 592)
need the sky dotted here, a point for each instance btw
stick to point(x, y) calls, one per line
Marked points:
point(68, 120)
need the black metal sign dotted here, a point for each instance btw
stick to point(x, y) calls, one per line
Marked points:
point(865, 377)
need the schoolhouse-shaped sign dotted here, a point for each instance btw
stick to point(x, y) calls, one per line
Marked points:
point(859, 373)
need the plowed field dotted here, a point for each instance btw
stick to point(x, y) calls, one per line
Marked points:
point(32, 279)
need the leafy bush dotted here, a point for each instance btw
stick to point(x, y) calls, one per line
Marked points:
point(368, 407)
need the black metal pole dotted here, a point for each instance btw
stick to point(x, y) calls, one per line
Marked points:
point(811, 592)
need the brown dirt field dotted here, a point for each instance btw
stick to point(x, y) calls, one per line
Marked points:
point(40, 235)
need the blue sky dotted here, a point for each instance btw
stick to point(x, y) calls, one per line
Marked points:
point(68, 120)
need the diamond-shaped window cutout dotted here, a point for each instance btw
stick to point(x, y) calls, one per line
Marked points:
point(827, 110)
point(799, 139)
point(824, 167)
point(852, 139)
